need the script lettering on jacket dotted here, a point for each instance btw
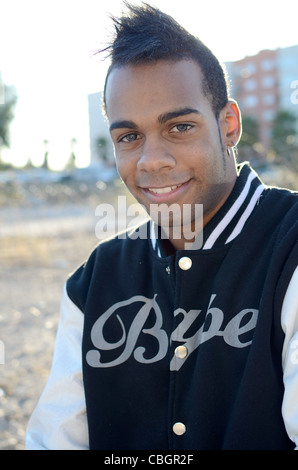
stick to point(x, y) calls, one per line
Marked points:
point(241, 323)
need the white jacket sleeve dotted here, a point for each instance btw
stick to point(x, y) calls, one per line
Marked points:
point(289, 321)
point(59, 420)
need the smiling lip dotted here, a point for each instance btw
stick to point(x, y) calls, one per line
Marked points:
point(166, 191)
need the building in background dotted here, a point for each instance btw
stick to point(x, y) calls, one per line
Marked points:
point(263, 85)
point(101, 147)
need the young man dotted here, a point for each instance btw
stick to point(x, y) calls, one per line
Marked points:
point(184, 341)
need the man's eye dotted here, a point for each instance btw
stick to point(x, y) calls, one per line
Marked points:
point(183, 127)
point(129, 138)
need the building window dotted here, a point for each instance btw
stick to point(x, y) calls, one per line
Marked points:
point(268, 99)
point(268, 81)
point(250, 101)
point(268, 115)
point(267, 64)
point(250, 84)
point(248, 70)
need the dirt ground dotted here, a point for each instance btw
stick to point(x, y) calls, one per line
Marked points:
point(46, 231)
point(31, 288)
point(41, 242)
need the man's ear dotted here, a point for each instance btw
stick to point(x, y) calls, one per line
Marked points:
point(230, 123)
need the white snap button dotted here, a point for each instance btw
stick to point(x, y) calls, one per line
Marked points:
point(185, 263)
point(181, 352)
point(179, 429)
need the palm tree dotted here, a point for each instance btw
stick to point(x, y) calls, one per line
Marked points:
point(7, 103)
point(46, 154)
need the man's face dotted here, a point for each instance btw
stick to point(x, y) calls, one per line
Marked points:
point(169, 146)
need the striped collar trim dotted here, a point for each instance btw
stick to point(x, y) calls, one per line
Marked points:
point(228, 223)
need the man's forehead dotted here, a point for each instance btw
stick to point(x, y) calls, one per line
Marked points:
point(159, 69)
point(178, 83)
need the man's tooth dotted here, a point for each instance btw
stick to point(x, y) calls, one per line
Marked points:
point(160, 190)
point(163, 190)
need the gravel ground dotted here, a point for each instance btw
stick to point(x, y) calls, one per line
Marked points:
point(31, 287)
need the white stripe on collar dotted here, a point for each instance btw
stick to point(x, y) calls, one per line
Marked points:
point(246, 213)
point(153, 234)
point(153, 238)
point(227, 219)
point(230, 214)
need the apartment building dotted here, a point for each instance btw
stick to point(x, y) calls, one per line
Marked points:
point(101, 148)
point(263, 84)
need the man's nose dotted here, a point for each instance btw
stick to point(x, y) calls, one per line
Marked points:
point(155, 156)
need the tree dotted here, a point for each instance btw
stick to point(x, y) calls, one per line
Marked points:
point(7, 104)
point(249, 138)
point(284, 139)
point(46, 155)
point(71, 163)
point(102, 145)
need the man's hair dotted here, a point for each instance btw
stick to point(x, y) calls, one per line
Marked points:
point(147, 35)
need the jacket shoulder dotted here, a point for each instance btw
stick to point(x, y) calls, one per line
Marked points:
point(106, 256)
point(282, 206)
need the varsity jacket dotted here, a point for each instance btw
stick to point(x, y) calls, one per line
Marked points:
point(195, 350)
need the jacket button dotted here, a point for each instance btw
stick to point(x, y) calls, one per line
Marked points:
point(185, 263)
point(181, 352)
point(179, 429)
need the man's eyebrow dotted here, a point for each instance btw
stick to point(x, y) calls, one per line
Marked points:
point(163, 118)
point(122, 124)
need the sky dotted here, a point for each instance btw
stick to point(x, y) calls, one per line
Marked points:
point(47, 53)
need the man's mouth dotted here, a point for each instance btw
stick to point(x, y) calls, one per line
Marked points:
point(165, 190)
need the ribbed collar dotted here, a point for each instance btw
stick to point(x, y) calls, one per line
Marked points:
point(229, 221)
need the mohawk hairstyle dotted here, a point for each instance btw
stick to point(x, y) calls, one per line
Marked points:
point(147, 35)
